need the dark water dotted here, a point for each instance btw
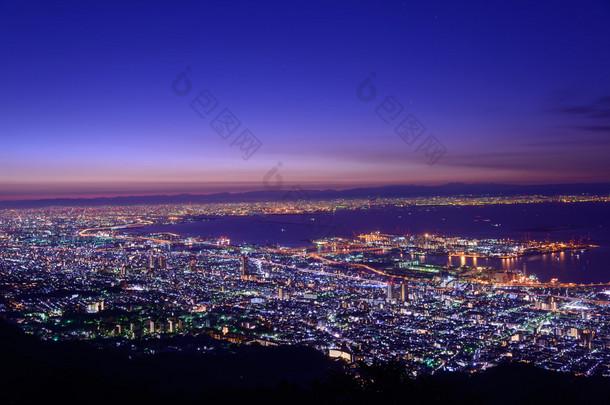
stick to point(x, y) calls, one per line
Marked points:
point(555, 221)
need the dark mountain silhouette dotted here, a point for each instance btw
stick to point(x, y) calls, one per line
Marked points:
point(451, 189)
point(35, 372)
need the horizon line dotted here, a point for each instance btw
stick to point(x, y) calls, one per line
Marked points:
point(102, 196)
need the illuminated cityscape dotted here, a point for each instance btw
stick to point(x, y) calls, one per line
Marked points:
point(82, 274)
point(304, 202)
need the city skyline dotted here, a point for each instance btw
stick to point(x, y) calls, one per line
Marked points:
point(515, 94)
point(134, 280)
point(304, 201)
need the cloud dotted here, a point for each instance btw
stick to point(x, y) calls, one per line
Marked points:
point(595, 128)
point(592, 116)
point(575, 110)
point(572, 142)
point(604, 100)
point(543, 158)
point(601, 114)
point(596, 110)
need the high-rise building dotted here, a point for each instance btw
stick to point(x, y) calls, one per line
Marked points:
point(244, 266)
point(281, 293)
point(404, 292)
point(151, 261)
point(390, 291)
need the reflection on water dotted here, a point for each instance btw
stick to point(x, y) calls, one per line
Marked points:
point(555, 221)
point(569, 266)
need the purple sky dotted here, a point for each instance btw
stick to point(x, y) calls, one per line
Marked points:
point(516, 92)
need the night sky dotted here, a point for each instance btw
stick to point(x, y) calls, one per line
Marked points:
point(90, 102)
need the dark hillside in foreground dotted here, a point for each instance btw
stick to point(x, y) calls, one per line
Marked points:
point(35, 372)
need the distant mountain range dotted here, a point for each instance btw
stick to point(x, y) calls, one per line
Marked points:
point(451, 189)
